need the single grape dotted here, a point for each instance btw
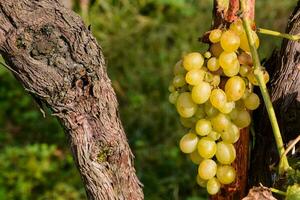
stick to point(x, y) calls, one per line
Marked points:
point(200, 113)
point(213, 64)
point(252, 101)
point(218, 98)
point(179, 81)
point(194, 76)
point(226, 174)
point(245, 59)
point(201, 182)
point(216, 80)
point(235, 88)
point(214, 135)
point(237, 27)
point(195, 157)
point(243, 119)
point(173, 97)
point(203, 127)
point(230, 41)
point(206, 147)
point(244, 41)
point(220, 122)
point(201, 92)
point(193, 61)
point(227, 59)
point(227, 108)
point(233, 70)
point(210, 110)
point(215, 35)
point(216, 49)
point(188, 143)
point(231, 135)
point(185, 105)
point(244, 70)
point(188, 122)
point(171, 88)
point(225, 153)
point(213, 186)
point(207, 169)
point(178, 68)
point(207, 54)
point(233, 114)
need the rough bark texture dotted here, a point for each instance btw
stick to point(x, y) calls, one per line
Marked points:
point(285, 94)
point(57, 60)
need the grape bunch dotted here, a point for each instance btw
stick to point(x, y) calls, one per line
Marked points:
point(213, 94)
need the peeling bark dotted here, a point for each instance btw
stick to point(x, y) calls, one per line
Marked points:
point(57, 60)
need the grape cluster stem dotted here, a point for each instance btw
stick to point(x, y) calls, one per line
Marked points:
point(283, 164)
point(278, 34)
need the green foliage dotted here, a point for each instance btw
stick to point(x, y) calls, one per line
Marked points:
point(141, 40)
point(293, 192)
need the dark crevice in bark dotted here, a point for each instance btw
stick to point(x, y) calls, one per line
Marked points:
point(57, 59)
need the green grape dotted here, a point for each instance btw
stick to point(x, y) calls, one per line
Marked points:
point(195, 157)
point(201, 182)
point(179, 81)
point(200, 113)
point(243, 119)
point(235, 88)
point(227, 59)
point(216, 80)
point(231, 135)
point(203, 127)
point(201, 92)
point(215, 35)
point(207, 54)
point(227, 108)
point(225, 153)
point(216, 49)
point(206, 147)
point(252, 101)
point(213, 64)
point(185, 105)
point(193, 61)
point(233, 70)
point(213, 186)
point(171, 88)
point(244, 70)
point(226, 174)
point(207, 169)
point(233, 114)
point(194, 76)
point(218, 98)
point(214, 135)
point(188, 122)
point(230, 41)
point(178, 68)
point(173, 97)
point(244, 41)
point(210, 110)
point(188, 143)
point(220, 122)
point(237, 27)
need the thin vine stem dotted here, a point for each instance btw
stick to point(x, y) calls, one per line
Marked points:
point(283, 164)
point(276, 191)
point(278, 34)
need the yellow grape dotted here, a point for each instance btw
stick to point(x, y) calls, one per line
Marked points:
point(243, 119)
point(213, 186)
point(227, 59)
point(179, 81)
point(203, 127)
point(194, 76)
point(233, 70)
point(237, 27)
point(201, 92)
point(226, 174)
point(215, 35)
point(218, 98)
point(207, 169)
point(195, 157)
point(185, 105)
point(210, 110)
point(206, 147)
point(235, 88)
point(193, 61)
point(207, 54)
point(225, 153)
point(188, 122)
point(230, 41)
point(227, 108)
point(201, 182)
point(216, 49)
point(188, 143)
point(213, 64)
point(231, 135)
point(214, 135)
point(220, 122)
point(216, 80)
point(252, 101)
point(173, 97)
point(244, 70)
point(244, 41)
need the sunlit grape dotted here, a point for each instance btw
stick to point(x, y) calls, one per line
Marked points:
point(193, 61)
point(213, 186)
point(244, 70)
point(231, 134)
point(243, 119)
point(194, 76)
point(185, 105)
point(201, 92)
point(218, 98)
point(227, 59)
point(225, 153)
point(206, 147)
point(237, 27)
point(230, 41)
point(233, 70)
point(203, 127)
point(227, 107)
point(215, 35)
point(207, 169)
point(188, 143)
point(201, 182)
point(226, 174)
point(213, 64)
point(214, 135)
point(220, 122)
point(252, 101)
point(235, 88)
point(207, 54)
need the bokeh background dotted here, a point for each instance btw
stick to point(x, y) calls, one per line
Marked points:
point(141, 40)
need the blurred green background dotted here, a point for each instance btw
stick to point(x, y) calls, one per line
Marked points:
point(141, 40)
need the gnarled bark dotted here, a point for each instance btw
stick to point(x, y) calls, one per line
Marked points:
point(56, 58)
